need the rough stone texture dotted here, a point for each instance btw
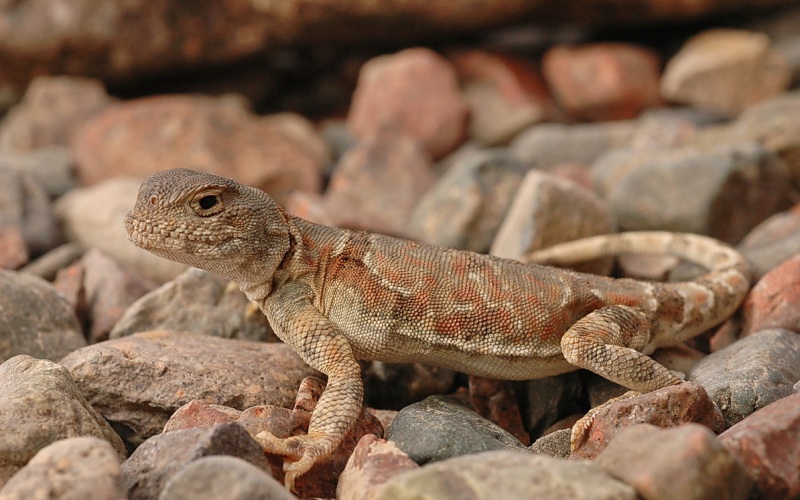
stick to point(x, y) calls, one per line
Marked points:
point(466, 207)
point(35, 319)
point(774, 302)
point(773, 241)
point(199, 302)
point(414, 92)
point(101, 291)
point(506, 474)
point(374, 187)
point(667, 407)
point(603, 81)
point(41, 404)
point(684, 462)
point(548, 210)
point(159, 458)
point(504, 94)
point(24, 205)
point(548, 145)
point(104, 229)
point(766, 443)
point(554, 444)
point(733, 187)
point(51, 111)
point(725, 71)
point(218, 136)
point(136, 382)
point(373, 462)
point(223, 477)
point(69, 469)
point(751, 373)
point(442, 427)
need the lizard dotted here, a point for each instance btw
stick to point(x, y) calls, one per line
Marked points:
point(338, 296)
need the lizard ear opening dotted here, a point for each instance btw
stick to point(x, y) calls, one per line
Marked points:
point(207, 203)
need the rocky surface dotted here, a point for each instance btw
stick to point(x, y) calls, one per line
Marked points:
point(503, 141)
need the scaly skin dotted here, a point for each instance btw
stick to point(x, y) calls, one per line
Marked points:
point(337, 296)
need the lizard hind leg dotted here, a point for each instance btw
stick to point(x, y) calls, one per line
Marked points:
point(606, 342)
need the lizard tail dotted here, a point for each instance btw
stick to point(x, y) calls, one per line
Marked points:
point(713, 296)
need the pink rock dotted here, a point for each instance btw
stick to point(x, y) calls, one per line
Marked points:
point(774, 302)
point(373, 462)
point(414, 92)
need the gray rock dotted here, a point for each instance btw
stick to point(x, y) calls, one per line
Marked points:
point(721, 191)
point(223, 478)
point(35, 319)
point(751, 373)
point(546, 400)
point(506, 474)
point(465, 208)
point(159, 458)
point(138, 381)
point(441, 427)
point(41, 404)
point(49, 264)
point(104, 229)
point(52, 167)
point(73, 468)
point(555, 444)
point(25, 204)
point(200, 302)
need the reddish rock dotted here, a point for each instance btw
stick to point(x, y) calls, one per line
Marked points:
point(766, 443)
point(218, 136)
point(496, 400)
point(413, 92)
point(725, 71)
point(667, 407)
point(373, 462)
point(13, 250)
point(607, 81)
point(505, 95)
point(51, 111)
point(774, 302)
point(685, 462)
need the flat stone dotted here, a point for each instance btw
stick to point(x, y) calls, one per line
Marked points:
point(373, 462)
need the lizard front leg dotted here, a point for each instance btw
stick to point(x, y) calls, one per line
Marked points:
point(607, 342)
point(320, 343)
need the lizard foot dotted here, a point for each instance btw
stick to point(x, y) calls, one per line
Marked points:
point(580, 431)
point(301, 453)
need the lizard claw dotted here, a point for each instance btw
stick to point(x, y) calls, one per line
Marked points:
point(301, 453)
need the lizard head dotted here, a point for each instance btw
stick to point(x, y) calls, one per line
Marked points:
point(209, 222)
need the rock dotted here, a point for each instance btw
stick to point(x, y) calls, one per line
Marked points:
point(413, 92)
point(78, 467)
point(51, 167)
point(772, 241)
point(101, 291)
point(376, 185)
point(39, 405)
point(374, 462)
point(200, 302)
point(766, 443)
point(547, 145)
point(51, 111)
point(396, 385)
point(13, 250)
point(442, 427)
point(725, 71)
point(547, 210)
point(36, 320)
point(682, 462)
point(223, 477)
point(504, 94)
point(217, 136)
point(496, 401)
point(159, 458)
point(465, 208)
point(506, 474)
point(49, 264)
point(603, 81)
point(24, 205)
point(104, 229)
point(667, 407)
point(554, 444)
point(119, 376)
point(733, 187)
point(751, 373)
point(546, 400)
point(774, 302)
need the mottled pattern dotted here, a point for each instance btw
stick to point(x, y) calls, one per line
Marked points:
point(337, 296)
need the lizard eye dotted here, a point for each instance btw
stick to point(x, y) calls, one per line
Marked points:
point(207, 204)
